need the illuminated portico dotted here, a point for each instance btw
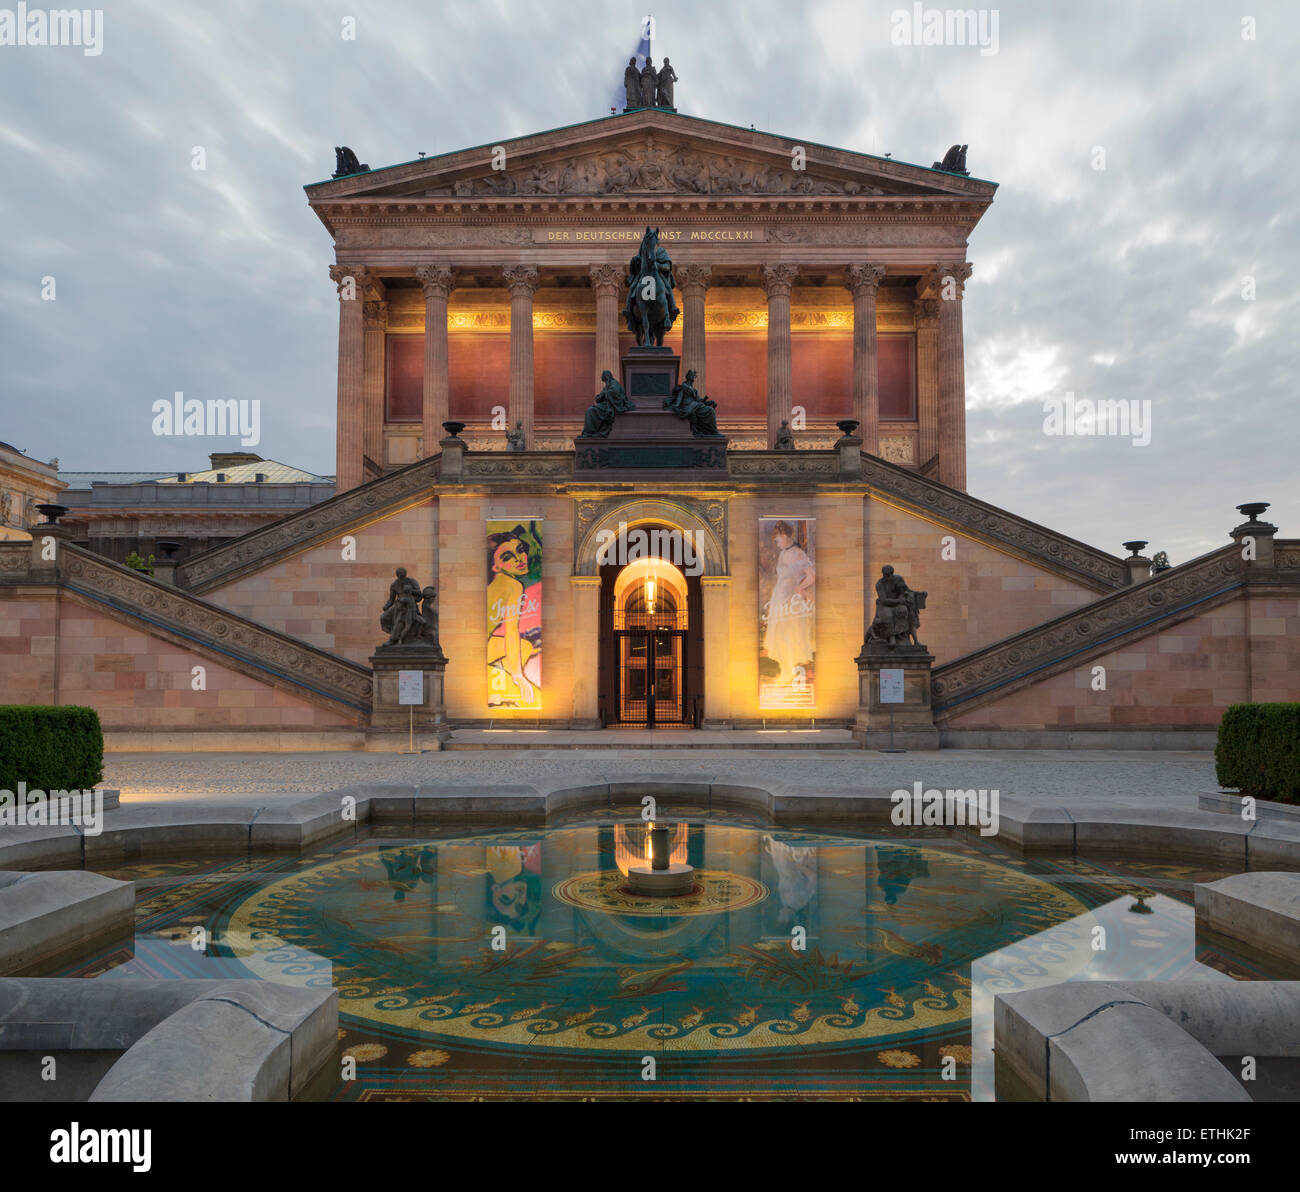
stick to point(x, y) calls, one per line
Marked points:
point(803, 291)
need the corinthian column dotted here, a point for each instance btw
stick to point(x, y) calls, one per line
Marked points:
point(522, 280)
point(778, 281)
point(605, 281)
point(437, 283)
point(352, 283)
point(864, 280)
point(950, 283)
point(926, 314)
point(694, 280)
point(374, 323)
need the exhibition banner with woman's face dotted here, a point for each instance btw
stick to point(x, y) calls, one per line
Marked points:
point(514, 608)
point(787, 611)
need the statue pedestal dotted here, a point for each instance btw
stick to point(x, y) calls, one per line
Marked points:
point(905, 674)
point(648, 441)
point(388, 715)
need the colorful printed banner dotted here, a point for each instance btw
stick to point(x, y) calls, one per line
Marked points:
point(787, 611)
point(514, 607)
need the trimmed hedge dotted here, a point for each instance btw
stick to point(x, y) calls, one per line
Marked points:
point(1258, 751)
point(50, 748)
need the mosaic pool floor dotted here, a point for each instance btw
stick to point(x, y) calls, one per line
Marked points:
point(805, 963)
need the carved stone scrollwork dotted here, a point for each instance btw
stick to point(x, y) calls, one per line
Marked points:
point(522, 279)
point(1094, 567)
point(437, 281)
point(249, 647)
point(863, 278)
point(1046, 650)
point(299, 531)
point(784, 464)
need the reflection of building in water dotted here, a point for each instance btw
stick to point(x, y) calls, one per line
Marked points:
point(897, 868)
point(796, 881)
point(514, 887)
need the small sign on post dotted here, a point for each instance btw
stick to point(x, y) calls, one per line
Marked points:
point(891, 692)
point(410, 694)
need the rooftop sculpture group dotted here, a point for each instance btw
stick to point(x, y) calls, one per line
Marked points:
point(647, 87)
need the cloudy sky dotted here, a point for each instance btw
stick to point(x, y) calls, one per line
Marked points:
point(1123, 282)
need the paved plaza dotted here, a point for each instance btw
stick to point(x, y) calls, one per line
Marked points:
point(1066, 775)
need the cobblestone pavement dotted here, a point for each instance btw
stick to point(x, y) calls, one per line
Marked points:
point(264, 778)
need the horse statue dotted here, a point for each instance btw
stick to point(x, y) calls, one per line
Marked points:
point(651, 307)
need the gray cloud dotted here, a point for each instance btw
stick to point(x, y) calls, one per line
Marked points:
point(1121, 283)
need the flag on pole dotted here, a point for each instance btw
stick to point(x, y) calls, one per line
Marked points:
point(643, 51)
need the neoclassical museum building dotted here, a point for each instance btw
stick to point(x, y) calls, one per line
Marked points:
point(586, 565)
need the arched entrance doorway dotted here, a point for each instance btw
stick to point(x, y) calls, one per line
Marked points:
point(651, 647)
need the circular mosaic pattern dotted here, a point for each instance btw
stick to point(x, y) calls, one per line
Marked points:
point(607, 890)
point(530, 939)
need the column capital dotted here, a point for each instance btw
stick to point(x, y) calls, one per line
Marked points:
point(437, 281)
point(926, 313)
point(778, 280)
point(374, 315)
point(944, 276)
point(863, 278)
point(522, 279)
point(689, 276)
point(606, 277)
point(363, 281)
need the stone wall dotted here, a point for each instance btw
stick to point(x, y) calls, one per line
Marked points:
point(1181, 677)
point(317, 596)
point(133, 678)
point(977, 598)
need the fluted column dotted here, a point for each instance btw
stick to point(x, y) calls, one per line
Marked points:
point(349, 431)
point(522, 280)
point(437, 282)
point(926, 313)
point(950, 284)
point(374, 324)
point(605, 282)
point(694, 280)
point(864, 281)
point(778, 282)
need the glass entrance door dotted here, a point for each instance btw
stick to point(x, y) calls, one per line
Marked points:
point(650, 656)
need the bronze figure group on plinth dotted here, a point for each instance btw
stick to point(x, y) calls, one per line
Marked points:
point(898, 608)
point(410, 616)
point(647, 87)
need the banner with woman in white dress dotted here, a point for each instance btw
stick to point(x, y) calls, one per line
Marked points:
point(787, 612)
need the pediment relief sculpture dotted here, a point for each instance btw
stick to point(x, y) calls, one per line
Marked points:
point(653, 168)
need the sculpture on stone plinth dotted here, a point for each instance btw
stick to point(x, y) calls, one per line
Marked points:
point(687, 403)
point(649, 83)
point(665, 80)
point(410, 617)
point(345, 162)
point(611, 400)
point(784, 437)
point(898, 607)
point(651, 306)
point(515, 439)
point(954, 161)
point(632, 85)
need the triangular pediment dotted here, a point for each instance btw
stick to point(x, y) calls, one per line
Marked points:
point(652, 154)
